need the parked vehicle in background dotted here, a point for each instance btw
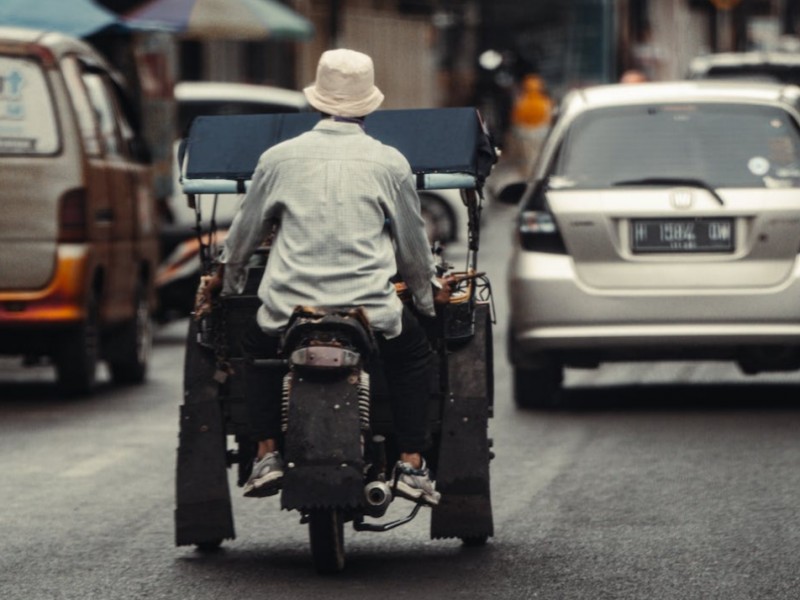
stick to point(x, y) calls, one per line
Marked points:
point(774, 67)
point(196, 98)
point(662, 222)
point(179, 271)
point(78, 240)
point(444, 211)
point(204, 98)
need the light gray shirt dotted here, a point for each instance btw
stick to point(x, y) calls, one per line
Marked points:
point(349, 220)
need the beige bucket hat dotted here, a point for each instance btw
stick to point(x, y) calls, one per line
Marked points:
point(345, 85)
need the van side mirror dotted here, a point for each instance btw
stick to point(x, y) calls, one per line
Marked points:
point(512, 193)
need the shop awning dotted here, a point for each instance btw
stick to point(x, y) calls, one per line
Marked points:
point(223, 19)
point(78, 18)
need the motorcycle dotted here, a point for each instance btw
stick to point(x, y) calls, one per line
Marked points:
point(337, 435)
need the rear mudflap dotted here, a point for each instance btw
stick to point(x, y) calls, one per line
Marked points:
point(465, 510)
point(322, 443)
point(203, 511)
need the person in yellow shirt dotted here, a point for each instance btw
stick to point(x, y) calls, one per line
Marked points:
point(530, 120)
point(533, 107)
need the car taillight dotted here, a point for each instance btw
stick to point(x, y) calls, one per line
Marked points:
point(538, 231)
point(72, 226)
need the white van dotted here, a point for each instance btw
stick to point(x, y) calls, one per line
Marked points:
point(78, 240)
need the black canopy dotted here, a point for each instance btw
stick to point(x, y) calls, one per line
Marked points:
point(434, 141)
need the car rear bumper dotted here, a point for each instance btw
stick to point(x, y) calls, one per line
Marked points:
point(59, 303)
point(553, 312)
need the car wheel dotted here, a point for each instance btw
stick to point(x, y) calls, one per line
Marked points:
point(132, 344)
point(539, 387)
point(78, 354)
point(439, 221)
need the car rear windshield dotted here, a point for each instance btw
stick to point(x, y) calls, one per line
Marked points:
point(788, 74)
point(27, 121)
point(722, 145)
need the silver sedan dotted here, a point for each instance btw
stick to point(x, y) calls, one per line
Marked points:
point(662, 222)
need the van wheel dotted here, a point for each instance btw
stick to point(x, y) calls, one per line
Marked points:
point(78, 353)
point(538, 388)
point(132, 345)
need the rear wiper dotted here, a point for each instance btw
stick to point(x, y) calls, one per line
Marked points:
point(687, 181)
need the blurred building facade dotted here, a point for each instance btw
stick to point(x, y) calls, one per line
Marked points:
point(431, 53)
point(660, 37)
point(399, 35)
point(426, 52)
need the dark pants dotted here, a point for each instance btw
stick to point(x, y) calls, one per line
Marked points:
point(407, 360)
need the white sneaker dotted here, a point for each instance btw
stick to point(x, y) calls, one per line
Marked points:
point(265, 479)
point(415, 484)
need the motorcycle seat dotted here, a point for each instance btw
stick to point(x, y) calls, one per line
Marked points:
point(318, 326)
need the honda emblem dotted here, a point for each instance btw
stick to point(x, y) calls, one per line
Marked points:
point(681, 199)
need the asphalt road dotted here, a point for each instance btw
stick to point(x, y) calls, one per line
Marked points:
point(654, 481)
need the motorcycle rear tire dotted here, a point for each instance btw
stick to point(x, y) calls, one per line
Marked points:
point(326, 534)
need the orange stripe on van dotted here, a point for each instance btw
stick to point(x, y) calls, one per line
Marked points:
point(60, 301)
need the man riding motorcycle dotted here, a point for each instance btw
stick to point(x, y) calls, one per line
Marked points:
point(346, 217)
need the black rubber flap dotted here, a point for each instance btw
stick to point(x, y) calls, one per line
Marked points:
point(203, 512)
point(322, 447)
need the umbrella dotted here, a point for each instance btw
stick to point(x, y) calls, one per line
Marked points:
point(79, 18)
point(225, 19)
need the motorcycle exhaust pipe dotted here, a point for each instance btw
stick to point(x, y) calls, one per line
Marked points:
point(378, 495)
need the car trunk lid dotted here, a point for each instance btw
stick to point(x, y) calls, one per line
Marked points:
point(679, 237)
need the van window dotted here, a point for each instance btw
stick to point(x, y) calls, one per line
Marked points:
point(104, 109)
point(122, 109)
point(27, 119)
point(83, 108)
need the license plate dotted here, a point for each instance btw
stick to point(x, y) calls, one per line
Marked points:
point(682, 235)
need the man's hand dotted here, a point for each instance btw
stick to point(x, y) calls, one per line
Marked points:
point(442, 295)
point(209, 288)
